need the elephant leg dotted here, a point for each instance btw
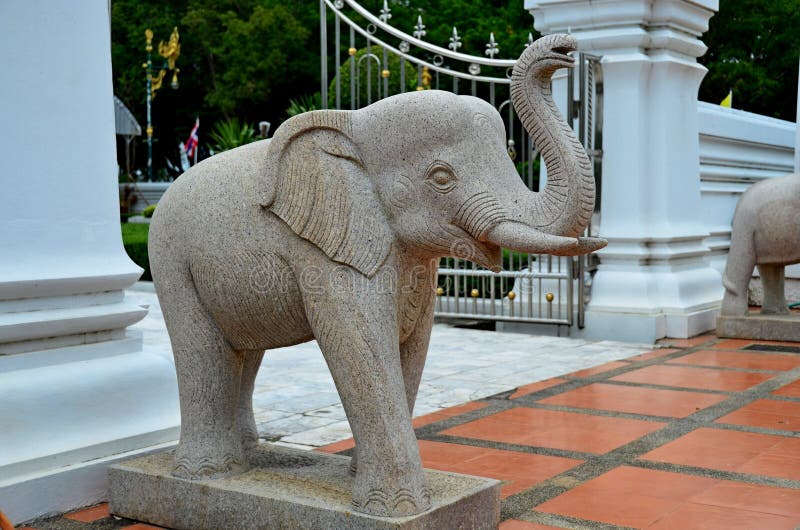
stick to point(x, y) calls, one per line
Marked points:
point(738, 271)
point(413, 353)
point(412, 356)
point(209, 378)
point(414, 350)
point(772, 279)
point(358, 337)
point(247, 423)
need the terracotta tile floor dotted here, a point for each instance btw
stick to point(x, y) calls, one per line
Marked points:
point(535, 387)
point(694, 377)
point(703, 434)
point(635, 400)
point(570, 431)
point(768, 414)
point(518, 471)
point(744, 452)
point(790, 390)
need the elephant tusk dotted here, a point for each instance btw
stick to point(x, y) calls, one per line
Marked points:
point(524, 238)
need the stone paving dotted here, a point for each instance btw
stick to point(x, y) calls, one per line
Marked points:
point(296, 403)
point(704, 434)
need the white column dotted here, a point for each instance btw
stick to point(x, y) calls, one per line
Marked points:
point(654, 279)
point(797, 136)
point(76, 389)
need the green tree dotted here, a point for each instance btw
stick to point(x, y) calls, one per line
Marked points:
point(250, 52)
point(753, 49)
point(239, 58)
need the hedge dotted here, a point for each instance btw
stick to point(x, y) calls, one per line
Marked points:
point(134, 237)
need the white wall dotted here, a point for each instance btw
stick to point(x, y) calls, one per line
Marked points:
point(737, 149)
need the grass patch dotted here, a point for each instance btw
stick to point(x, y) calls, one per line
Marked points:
point(134, 238)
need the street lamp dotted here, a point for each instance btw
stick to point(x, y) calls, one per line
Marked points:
point(170, 53)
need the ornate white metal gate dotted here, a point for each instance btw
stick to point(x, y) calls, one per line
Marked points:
point(372, 59)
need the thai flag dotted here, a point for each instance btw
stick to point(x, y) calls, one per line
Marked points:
point(191, 143)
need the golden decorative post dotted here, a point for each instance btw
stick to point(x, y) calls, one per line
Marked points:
point(170, 52)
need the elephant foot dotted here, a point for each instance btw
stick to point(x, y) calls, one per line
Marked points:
point(249, 438)
point(204, 462)
point(779, 310)
point(396, 495)
point(734, 306)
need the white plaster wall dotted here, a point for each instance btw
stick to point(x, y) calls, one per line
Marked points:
point(737, 149)
point(59, 167)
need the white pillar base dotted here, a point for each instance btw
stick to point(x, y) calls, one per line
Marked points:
point(646, 290)
point(646, 329)
point(90, 405)
point(61, 490)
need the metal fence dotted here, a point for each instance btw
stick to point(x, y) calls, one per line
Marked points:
point(371, 59)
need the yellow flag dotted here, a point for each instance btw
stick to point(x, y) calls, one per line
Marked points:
point(728, 101)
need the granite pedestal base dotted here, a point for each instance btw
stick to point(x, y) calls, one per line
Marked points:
point(760, 327)
point(287, 489)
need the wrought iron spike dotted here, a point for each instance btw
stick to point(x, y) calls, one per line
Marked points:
point(491, 47)
point(455, 41)
point(530, 39)
point(419, 29)
point(386, 13)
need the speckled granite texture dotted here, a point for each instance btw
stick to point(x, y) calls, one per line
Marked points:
point(332, 230)
point(766, 234)
point(288, 489)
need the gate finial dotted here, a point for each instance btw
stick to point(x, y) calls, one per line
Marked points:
point(419, 29)
point(455, 41)
point(491, 47)
point(386, 13)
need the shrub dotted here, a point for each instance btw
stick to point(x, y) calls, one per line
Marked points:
point(230, 134)
point(303, 104)
point(149, 211)
point(134, 238)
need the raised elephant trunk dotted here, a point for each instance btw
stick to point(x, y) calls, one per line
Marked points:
point(565, 206)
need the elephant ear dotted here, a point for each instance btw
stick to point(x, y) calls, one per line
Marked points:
point(324, 193)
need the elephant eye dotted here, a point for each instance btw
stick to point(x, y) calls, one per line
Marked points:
point(441, 177)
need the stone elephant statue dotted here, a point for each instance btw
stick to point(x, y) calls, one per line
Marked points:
point(766, 233)
point(333, 230)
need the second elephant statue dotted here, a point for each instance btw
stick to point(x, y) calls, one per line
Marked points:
point(333, 230)
point(766, 234)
